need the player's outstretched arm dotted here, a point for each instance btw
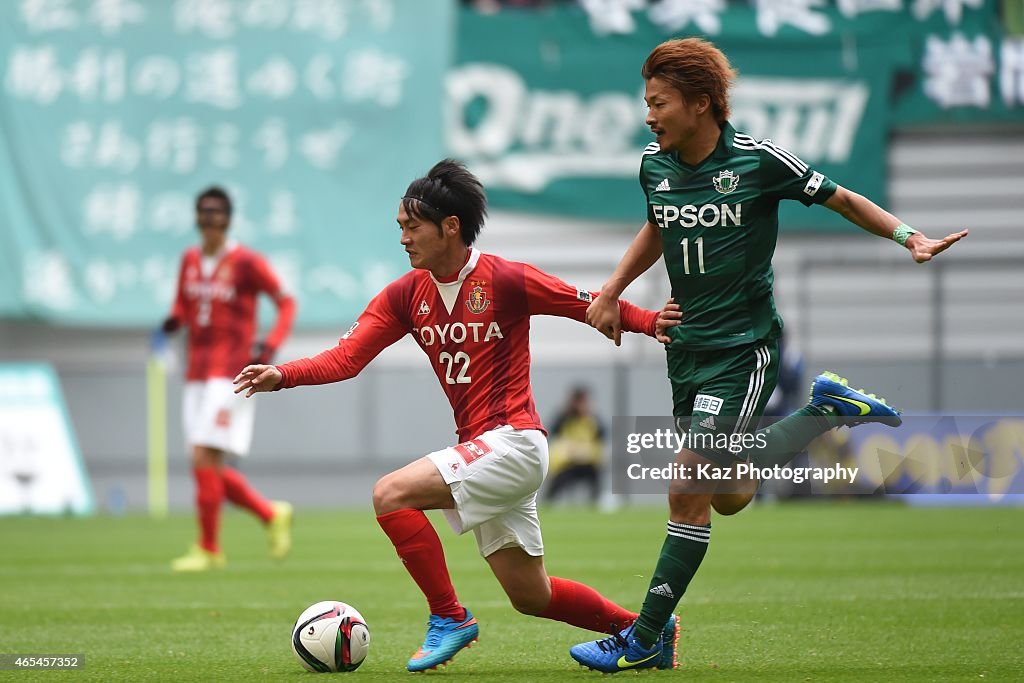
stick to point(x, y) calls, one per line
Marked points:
point(867, 215)
point(643, 252)
point(254, 379)
point(377, 328)
point(549, 295)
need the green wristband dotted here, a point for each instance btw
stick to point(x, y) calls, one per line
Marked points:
point(902, 233)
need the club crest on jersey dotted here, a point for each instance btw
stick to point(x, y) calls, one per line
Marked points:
point(726, 182)
point(477, 302)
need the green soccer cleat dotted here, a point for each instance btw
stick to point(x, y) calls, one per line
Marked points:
point(198, 559)
point(854, 406)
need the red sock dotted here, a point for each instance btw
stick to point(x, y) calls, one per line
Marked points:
point(420, 549)
point(209, 496)
point(580, 605)
point(239, 492)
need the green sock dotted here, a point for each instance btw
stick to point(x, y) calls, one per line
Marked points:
point(790, 435)
point(680, 557)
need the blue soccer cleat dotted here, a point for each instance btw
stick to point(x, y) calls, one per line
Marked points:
point(854, 406)
point(669, 640)
point(445, 637)
point(620, 652)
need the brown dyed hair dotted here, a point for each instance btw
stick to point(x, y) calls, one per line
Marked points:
point(694, 67)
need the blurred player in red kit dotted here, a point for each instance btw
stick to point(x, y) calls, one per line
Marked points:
point(217, 295)
point(470, 313)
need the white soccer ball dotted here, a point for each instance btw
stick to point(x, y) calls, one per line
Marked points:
point(330, 636)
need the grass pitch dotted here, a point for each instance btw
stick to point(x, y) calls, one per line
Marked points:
point(811, 592)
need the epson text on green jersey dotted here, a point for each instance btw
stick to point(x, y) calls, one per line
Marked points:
point(719, 224)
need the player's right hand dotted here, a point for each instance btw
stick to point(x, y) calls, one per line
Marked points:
point(257, 378)
point(670, 316)
point(603, 314)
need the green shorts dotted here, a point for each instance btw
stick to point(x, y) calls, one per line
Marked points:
point(718, 395)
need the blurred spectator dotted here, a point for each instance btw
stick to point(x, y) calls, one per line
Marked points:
point(577, 448)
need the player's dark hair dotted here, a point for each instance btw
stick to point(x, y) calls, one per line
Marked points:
point(694, 67)
point(448, 189)
point(215, 192)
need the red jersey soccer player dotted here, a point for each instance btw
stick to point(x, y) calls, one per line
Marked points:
point(218, 289)
point(470, 313)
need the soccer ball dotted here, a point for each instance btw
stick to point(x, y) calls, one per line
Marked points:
point(330, 636)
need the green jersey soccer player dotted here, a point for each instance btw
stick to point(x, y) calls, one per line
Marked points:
point(712, 211)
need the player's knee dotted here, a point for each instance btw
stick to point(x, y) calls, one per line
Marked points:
point(203, 456)
point(387, 495)
point(730, 503)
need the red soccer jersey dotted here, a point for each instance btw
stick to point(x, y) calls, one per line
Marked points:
point(220, 310)
point(475, 331)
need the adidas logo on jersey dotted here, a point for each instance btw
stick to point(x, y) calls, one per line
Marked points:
point(424, 308)
point(709, 423)
point(664, 590)
point(663, 186)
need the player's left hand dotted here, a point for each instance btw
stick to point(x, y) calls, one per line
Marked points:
point(603, 315)
point(670, 316)
point(923, 249)
point(257, 378)
point(262, 353)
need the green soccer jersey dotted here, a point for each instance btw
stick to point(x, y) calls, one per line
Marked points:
point(719, 222)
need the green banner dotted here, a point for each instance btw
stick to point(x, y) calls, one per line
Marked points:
point(547, 105)
point(966, 69)
point(114, 115)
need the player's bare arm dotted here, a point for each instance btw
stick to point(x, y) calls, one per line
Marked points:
point(670, 316)
point(257, 378)
point(644, 252)
point(867, 215)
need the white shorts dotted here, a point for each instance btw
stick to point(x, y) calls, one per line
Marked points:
point(494, 480)
point(216, 417)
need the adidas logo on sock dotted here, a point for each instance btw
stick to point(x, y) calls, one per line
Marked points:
point(709, 423)
point(663, 186)
point(664, 590)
